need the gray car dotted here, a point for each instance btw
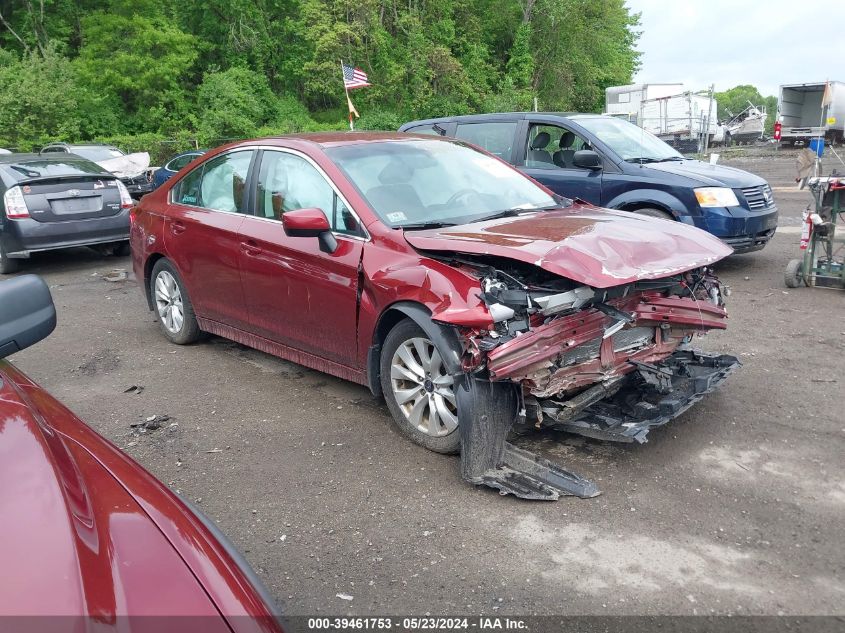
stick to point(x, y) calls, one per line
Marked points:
point(60, 201)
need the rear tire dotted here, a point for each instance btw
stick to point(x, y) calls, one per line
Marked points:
point(793, 276)
point(418, 389)
point(654, 213)
point(7, 265)
point(172, 305)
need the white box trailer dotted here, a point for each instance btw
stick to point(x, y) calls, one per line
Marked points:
point(683, 120)
point(624, 101)
point(802, 116)
point(679, 117)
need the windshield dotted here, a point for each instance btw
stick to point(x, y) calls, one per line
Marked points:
point(97, 153)
point(632, 143)
point(419, 182)
point(46, 168)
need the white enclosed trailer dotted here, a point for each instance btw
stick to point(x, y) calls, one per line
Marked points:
point(803, 116)
point(681, 118)
point(624, 101)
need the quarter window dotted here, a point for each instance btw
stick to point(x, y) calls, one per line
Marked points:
point(287, 182)
point(496, 138)
point(219, 184)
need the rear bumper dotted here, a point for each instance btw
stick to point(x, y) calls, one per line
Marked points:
point(25, 236)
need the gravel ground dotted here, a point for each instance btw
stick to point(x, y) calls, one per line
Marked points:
point(735, 508)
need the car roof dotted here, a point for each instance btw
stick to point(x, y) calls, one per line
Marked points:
point(334, 139)
point(500, 116)
point(63, 144)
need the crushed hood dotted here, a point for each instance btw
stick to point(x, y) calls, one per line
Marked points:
point(127, 166)
point(593, 246)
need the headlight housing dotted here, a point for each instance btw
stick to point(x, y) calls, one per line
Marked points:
point(716, 197)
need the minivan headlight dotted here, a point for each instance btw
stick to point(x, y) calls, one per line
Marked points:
point(716, 197)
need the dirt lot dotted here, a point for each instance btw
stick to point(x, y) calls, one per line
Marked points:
point(736, 508)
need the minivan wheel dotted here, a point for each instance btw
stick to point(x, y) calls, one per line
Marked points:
point(172, 305)
point(7, 265)
point(654, 213)
point(419, 391)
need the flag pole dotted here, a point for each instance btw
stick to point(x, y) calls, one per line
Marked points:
point(346, 90)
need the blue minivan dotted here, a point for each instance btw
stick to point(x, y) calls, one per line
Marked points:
point(614, 164)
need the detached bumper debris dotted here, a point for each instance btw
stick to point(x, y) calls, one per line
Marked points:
point(626, 410)
point(650, 397)
point(609, 364)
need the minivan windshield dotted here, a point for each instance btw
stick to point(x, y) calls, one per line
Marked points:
point(420, 183)
point(632, 143)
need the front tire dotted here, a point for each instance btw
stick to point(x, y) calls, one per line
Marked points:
point(654, 213)
point(172, 305)
point(419, 391)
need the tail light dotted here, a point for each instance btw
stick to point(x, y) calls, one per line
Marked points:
point(15, 204)
point(778, 128)
point(126, 201)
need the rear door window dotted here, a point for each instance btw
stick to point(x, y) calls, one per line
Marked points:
point(218, 184)
point(496, 137)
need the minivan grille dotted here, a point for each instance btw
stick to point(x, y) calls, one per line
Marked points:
point(759, 197)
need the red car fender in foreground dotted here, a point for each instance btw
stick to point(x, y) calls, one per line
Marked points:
point(89, 535)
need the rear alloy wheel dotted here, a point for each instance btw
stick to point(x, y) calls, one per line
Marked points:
point(654, 213)
point(418, 389)
point(7, 265)
point(172, 305)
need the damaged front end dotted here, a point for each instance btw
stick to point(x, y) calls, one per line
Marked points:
point(609, 363)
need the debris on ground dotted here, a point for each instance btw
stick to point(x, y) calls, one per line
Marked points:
point(344, 596)
point(152, 423)
point(136, 389)
point(118, 274)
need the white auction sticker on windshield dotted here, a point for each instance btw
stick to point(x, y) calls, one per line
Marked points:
point(396, 216)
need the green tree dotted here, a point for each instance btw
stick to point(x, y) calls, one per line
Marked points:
point(146, 62)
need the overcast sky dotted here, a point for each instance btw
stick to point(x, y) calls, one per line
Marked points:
point(732, 42)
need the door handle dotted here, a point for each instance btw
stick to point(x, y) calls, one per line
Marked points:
point(177, 227)
point(250, 247)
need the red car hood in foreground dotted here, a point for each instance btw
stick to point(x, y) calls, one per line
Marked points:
point(593, 246)
point(87, 532)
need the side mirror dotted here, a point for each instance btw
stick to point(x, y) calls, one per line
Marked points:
point(310, 222)
point(27, 313)
point(586, 159)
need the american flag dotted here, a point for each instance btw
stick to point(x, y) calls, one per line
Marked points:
point(354, 78)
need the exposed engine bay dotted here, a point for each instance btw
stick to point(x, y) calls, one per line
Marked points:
point(609, 363)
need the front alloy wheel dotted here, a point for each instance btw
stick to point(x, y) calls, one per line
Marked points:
point(422, 388)
point(419, 390)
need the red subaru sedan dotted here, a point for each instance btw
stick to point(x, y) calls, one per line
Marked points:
point(89, 535)
point(464, 292)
